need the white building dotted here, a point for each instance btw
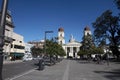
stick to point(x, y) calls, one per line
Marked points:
point(28, 47)
point(61, 36)
point(14, 42)
point(72, 47)
point(17, 46)
point(27, 55)
point(9, 26)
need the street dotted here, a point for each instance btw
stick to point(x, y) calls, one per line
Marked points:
point(72, 70)
point(12, 69)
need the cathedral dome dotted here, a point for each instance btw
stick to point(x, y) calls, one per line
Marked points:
point(60, 29)
point(87, 28)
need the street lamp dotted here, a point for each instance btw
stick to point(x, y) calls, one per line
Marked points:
point(2, 31)
point(107, 54)
point(45, 40)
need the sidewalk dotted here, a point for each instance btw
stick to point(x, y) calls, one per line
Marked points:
point(9, 62)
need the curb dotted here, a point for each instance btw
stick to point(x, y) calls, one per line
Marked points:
point(10, 62)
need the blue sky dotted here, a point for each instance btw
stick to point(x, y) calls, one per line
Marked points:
point(33, 17)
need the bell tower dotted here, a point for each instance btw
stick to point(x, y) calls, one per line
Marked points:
point(87, 31)
point(61, 35)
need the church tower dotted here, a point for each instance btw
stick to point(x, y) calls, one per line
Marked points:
point(61, 35)
point(87, 31)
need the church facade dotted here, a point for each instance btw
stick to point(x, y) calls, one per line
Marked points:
point(72, 47)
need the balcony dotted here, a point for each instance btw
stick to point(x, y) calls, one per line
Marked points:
point(8, 39)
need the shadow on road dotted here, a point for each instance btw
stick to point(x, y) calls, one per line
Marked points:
point(111, 75)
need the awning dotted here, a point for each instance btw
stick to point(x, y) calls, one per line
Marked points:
point(17, 54)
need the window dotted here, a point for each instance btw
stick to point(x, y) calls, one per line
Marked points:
point(13, 39)
point(11, 45)
point(60, 35)
point(8, 17)
point(60, 42)
point(19, 47)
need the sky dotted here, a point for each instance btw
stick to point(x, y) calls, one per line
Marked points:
point(33, 17)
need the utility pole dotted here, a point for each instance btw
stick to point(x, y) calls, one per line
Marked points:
point(2, 32)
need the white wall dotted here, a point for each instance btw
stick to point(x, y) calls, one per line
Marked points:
point(18, 40)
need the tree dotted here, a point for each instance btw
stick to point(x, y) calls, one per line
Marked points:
point(106, 27)
point(81, 53)
point(96, 50)
point(53, 48)
point(117, 2)
point(36, 51)
point(87, 42)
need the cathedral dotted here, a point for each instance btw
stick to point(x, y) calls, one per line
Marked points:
point(72, 47)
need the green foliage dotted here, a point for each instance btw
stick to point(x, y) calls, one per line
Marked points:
point(92, 50)
point(87, 42)
point(82, 52)
point(96, 50)
point(36, 51)
point(53, 48)
point(107, 27)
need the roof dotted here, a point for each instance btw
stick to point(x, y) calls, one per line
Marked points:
point(61, 29)
point(87, 28)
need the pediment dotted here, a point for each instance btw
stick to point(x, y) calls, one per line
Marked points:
point(73, 43)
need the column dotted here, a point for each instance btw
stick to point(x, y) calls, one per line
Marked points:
point(71, 51)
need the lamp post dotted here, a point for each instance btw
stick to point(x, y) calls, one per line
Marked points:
point(107, 50)
point(2, 31)
point(107, 53)
point(45, 40)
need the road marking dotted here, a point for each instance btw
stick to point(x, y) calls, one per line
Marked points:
point(22, 74)
point(66, 73)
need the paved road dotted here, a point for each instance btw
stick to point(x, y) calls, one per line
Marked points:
point(74, 70)
point(14, 68)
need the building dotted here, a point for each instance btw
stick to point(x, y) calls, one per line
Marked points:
point(37, 44)
point(12, 39)
point(27, 55)
point(28, 47)
point(61, 35)
point(9, 26)
point(72, 47)
point(87, 31)
point(17, 46)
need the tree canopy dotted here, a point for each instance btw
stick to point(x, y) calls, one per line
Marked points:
point(53, 48)
point(87, 42)
point(36, 51)
point(106, 27)
point(117, 2)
